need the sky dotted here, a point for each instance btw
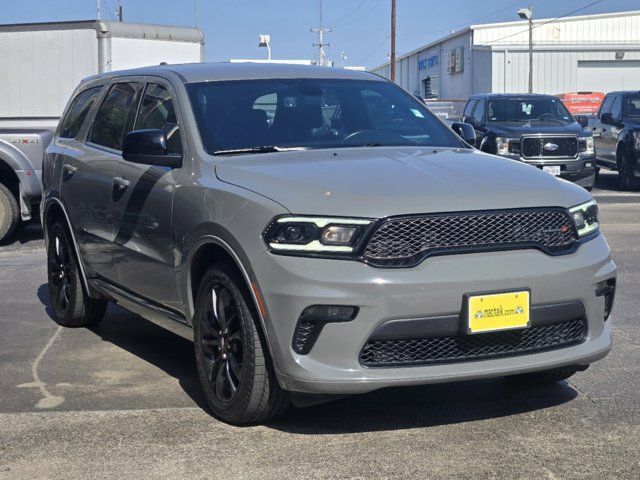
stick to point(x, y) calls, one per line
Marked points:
point(360, 28)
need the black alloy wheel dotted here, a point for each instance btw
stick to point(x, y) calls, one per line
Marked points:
point(234, 365)
point(222, 345)
point(626, 179)
point(72, 306)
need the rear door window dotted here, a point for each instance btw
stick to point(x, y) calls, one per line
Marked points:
point(157, 112)
point(112, 120)
point(73, 120)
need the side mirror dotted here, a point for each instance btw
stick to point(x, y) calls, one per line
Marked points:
point(149, 147)
point(583, 121)
point(465, 131)
point(607, 118)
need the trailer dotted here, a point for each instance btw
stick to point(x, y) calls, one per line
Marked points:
point(40, 66)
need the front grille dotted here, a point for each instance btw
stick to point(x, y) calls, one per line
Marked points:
point(533, 147)
point(465, 348)
point(403, 241)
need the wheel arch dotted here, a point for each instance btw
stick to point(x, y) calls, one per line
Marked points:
point(212, 249)
point(8, 177)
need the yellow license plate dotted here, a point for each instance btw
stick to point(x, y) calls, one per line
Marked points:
point(498, 311)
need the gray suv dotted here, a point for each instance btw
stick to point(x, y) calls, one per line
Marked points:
point(316, 231)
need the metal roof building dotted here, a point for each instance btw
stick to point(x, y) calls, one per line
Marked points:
point(581, 53)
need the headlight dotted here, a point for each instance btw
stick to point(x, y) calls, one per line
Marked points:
point(588, 144)
point(503, 145)
point(311, 235)
point(637, 142)
point(585, 217)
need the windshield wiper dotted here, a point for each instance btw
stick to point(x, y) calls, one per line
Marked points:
point(261, 149)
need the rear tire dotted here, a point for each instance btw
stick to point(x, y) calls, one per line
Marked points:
point(545, 377)
point(71, 304)
point(9, 213)
point(233, 363)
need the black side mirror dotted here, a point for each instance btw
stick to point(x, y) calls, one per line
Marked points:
point(583, 121)
point(465, 131)
point(149, 147)
point(607, 118)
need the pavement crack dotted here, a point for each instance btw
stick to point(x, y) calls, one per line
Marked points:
point(577, 389)
point(48, 400)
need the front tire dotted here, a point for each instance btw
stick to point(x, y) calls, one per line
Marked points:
point(626, 180)
point(71, 304)
point(231, 356)
point(9, 212)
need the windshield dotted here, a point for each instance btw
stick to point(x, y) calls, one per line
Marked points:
point(632, 106)
point(529, 110)
point(253, 116)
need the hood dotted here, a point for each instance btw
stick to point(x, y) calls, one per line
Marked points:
point(515, 129)
point(382, 181)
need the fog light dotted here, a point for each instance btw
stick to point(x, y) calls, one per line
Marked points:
point(588, 165)
point(607, 289)
point(312, 321)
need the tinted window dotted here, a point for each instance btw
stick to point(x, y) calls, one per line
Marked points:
point(469, 108)
point(112, 117)
point(525, 110)
point(632, 105)
point(70, 125)
point(312, 113)
point(156, 111)
point(478, 113)
point(616, 108)
point(606, 105)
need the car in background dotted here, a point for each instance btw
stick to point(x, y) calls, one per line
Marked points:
point(582, 103)
point(535, 129)
point(616, 133)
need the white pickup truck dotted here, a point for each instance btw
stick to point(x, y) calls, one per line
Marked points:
point(41, 64)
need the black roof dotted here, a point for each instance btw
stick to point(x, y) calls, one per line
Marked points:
point(519, 96)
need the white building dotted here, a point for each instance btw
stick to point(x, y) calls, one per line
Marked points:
point(583, 53)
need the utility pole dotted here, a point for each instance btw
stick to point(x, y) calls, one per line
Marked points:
point(196, 12)
point(392, 71)
point(527, 14)
point(119, 12)
point(321, 56)
point(98, 8)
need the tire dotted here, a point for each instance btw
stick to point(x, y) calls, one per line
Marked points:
point(596, 176)
point(626, 181)
point(9, 213)
point(233, 364)
point(545, 377)
point(72, 306)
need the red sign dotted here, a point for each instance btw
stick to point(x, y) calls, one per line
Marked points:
point(582, 103)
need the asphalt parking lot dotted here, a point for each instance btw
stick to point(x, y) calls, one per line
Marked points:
point(122, 399)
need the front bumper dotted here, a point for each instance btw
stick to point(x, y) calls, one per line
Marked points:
point(435, 287)
point(580, 171)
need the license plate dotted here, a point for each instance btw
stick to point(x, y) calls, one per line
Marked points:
point(498, 311)
point(553, 170)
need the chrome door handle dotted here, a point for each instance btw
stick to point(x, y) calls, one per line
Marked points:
point(121, 182)
point(69, 169)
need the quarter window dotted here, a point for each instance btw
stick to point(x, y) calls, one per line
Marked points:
point(73, 120)
point(157, 112)
point(469, 108)
point(111, 121)
point(478, 113)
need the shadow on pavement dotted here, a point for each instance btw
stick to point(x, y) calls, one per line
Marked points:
point(27, 234)
point(388, 409)
point(147, 341)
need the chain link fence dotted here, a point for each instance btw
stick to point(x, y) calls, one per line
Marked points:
point(447, 108)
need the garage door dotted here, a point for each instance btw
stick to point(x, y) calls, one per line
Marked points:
point(607, 76)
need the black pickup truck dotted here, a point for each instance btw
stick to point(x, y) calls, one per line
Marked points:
point(536, 129)
point(616, 133)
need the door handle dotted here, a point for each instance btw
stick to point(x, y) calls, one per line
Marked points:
point(121, 182)
point(69, 169)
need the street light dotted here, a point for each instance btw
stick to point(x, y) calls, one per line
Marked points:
point(265, 41)
point(527, 14)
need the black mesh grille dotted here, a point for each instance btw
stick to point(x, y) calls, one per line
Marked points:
point(464, 348)
point(407, 240)
point(535, 147)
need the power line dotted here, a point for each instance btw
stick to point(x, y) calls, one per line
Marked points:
point(376, 48)
point(489, 15)
point(350, 12)
point(544, 23)
point(360, 17)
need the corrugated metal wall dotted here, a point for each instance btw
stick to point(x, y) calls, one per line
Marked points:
point(40, 69)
